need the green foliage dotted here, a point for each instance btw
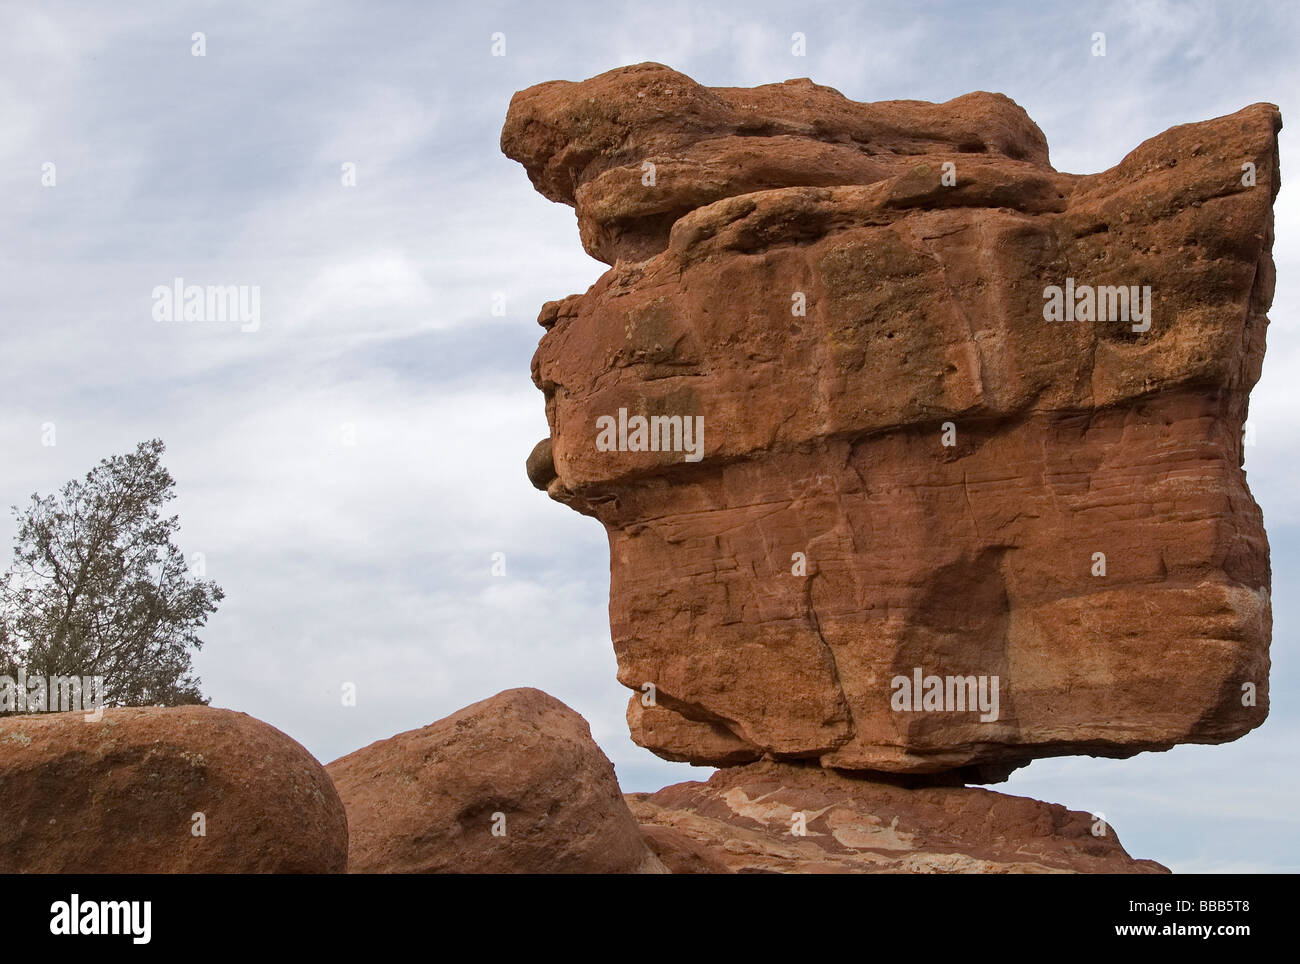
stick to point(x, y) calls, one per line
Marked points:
point(98, 588)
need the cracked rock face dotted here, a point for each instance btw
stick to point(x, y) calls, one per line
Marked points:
point(871, 453)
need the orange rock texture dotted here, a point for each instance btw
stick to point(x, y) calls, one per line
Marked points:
point(871, 393)
point(153, 790)
point(511, 784)
point(791, 818)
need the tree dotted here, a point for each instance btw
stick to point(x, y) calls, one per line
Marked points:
point(98, 588)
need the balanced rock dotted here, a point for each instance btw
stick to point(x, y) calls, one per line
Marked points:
point(914, 453)
point(794, 818)
point(149, 790)
point(512, 784)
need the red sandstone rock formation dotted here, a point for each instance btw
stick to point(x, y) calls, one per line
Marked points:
point(782, 818)
point(520, 763)
point(905, 466)
point(120, 796)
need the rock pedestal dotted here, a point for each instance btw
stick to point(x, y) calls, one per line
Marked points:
point(789, 818)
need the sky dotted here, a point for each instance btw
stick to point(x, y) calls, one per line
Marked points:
point(348, 470)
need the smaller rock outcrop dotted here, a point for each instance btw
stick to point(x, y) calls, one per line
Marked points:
point(511, 784)
point(790, 818)
point(184, 789)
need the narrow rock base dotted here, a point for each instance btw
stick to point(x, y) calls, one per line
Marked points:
point(785, 818)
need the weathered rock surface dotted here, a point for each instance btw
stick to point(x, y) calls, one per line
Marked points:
point(120, 795)
point(427, 801)
point(904, 464)
point(743, 820)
